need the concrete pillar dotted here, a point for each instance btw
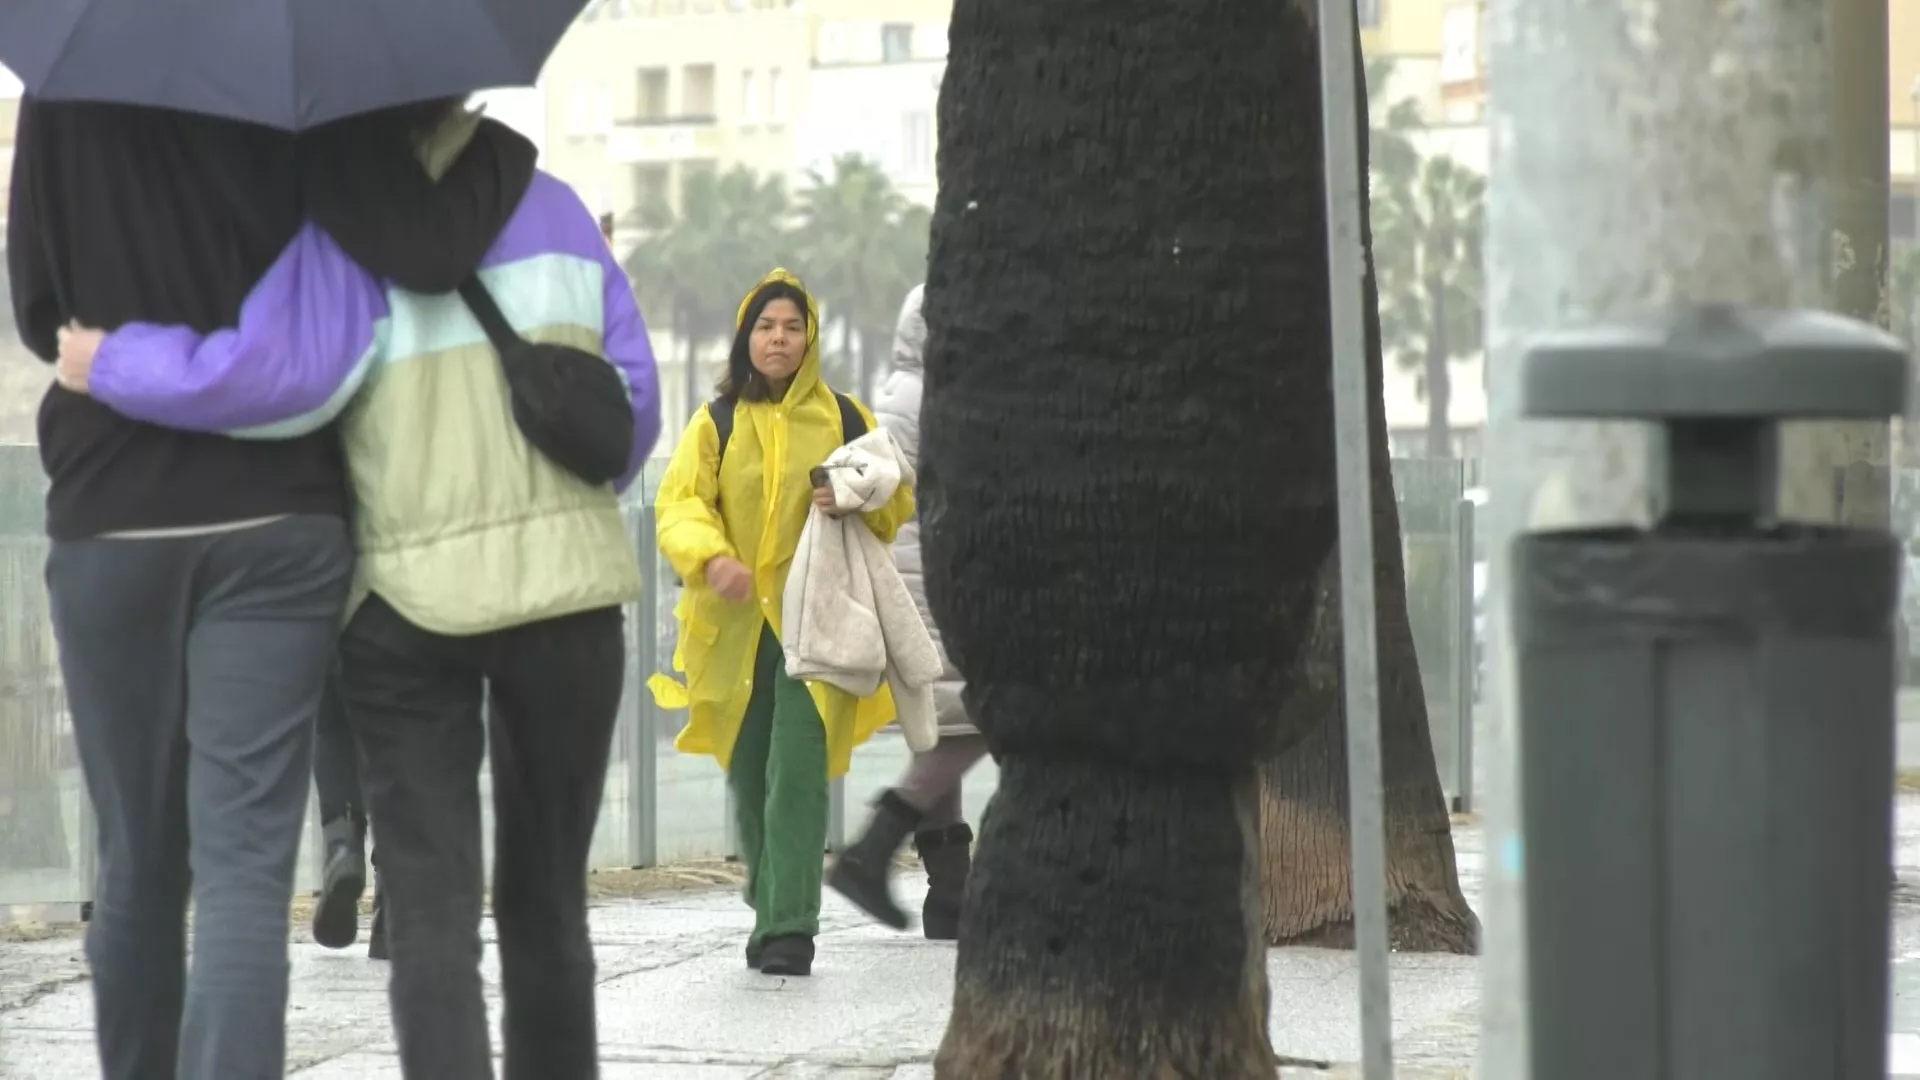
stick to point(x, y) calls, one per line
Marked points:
point(1647, 154)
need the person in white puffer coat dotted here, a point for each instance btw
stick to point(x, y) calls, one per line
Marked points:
point(925, 804)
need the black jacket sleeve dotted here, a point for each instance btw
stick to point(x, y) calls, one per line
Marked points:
point(36, 302)
point(363, 184)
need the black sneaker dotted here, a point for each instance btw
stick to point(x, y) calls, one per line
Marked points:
point(336, 917)
point(790, 955)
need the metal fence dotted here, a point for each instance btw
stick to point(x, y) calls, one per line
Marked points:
point(660, 806)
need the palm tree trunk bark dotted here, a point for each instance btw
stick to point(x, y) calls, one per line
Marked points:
point(1307, 882)
point(1122, 542)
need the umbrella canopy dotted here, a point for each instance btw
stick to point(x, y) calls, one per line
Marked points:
point(288, 64)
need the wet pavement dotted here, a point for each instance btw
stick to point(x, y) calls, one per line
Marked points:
point(676, 1002)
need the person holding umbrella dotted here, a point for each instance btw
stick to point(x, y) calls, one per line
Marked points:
point(197, 579)
point(494, 555)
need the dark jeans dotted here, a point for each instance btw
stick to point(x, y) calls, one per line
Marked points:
point(193, 667)
point(414, 698)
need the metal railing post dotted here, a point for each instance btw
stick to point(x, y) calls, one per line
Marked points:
point(643, 763)
point(1466, 659)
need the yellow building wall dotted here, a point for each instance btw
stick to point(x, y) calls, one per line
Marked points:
point(1903, 71)
point(601, 62)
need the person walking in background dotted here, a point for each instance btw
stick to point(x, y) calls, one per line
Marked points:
point(196, 581)
point(732, 505)
point(343, 831)
point(491, 574)
point(926, 803)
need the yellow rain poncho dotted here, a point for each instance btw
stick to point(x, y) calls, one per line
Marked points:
point(753, 508)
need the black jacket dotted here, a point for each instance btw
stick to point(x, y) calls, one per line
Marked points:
point(123, 214)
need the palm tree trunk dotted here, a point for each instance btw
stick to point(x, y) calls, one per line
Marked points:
point(1439, 386)
point(1121, 544)
point(1307, 883)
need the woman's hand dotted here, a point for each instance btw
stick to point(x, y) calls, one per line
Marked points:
point(78, 344)
point(823, 501)
point(730, 578)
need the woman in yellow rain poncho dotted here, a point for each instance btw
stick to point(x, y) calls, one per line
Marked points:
point(729, 523)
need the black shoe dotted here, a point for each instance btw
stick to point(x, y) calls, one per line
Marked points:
point(336, 918)
point(790, 955)
point(377, 935)
point(948, 856)
point(863, 872)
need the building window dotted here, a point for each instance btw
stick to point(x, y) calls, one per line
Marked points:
point(696, 90)
point(1369, 13)
point(750, 100)
point(1459, 45)
point(777, 96)
point(916, 144)
point(652, 101)
point(896, 43)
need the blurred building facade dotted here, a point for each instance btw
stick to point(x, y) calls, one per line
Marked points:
point(642, 94)
point(875, 84)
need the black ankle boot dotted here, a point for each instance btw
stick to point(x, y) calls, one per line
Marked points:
point(863, 872)
point(948, 856)
point(790, 955)
point(336, 917)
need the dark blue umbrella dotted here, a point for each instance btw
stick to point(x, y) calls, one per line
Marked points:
point(289, 64)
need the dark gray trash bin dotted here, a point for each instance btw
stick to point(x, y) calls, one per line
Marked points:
point(1706, 712)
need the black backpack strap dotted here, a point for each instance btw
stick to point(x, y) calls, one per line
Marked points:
point(480, 302)
point(720, 411)
point(852, 424)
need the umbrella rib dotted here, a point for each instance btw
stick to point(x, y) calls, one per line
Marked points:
point(63, 53)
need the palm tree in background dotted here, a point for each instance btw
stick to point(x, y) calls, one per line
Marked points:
point(692, 267)
point(1393, 124)
point(863, 245)
point(1428, 218)
point(851, 236)
point(1428, 233)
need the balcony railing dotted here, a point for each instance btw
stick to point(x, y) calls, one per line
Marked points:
point(705, 119)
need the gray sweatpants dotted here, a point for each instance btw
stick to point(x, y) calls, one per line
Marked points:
point(193, 668)
point(932, 783)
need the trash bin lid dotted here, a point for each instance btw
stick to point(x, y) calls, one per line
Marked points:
point(1718, 361)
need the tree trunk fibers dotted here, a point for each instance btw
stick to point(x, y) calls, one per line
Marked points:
point(1113, 929)
point(1125, 506)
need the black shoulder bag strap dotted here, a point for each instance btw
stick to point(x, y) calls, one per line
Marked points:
point(499, 330)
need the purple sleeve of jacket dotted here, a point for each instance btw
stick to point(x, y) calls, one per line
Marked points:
point(307, 335)
point(631, 352)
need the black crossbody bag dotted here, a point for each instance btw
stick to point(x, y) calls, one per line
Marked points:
point(570, 404)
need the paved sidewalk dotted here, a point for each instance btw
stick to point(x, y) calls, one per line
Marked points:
point(676, 1002)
